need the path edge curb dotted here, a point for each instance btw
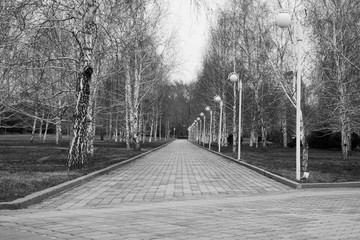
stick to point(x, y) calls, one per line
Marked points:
point(39, 196)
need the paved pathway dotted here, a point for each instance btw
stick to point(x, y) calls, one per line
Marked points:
point(178, 171)
point(184, 192)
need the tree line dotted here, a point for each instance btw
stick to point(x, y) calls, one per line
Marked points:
point(87, 66)
point(245, 39)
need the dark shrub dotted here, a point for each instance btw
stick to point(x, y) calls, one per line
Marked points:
point(325, 140)
point(335, 140)
point(319, 139)
point(355, 140)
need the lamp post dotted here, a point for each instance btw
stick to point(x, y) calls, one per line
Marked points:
point(203, 132)
point(190, 133)
point(195, 130)
point(283, 20)
point(217, 98)
point(199, 121)
point(210, 128)
point(234, 77)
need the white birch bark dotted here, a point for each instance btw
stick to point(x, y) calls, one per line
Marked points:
point(33, 127)
point(41, 125)
point(78, 151)
point(46, 130)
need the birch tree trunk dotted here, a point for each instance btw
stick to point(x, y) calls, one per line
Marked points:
point(33, 127)
point(58, 136)
point(342, 104)
point(41, 125)
point(160, 128)
point(117, 128)
point(151, 126)
point(46, 130)
point(144, 128)
point(263, 134)
point(91, 129)
point(284, 127)
point(77, 151)
point(134, 113)
point(259, 110)
point(141, 135)
point(109, 135)
point(156, 124)
point(127, 101)
point(168, 130)
point(58, 130)
point(253, 130)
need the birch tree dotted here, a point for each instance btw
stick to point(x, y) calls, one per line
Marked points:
point(77, 151)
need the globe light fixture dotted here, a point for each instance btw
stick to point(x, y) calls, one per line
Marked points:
point(233, 77)
point(283, 19)
point(217, 98)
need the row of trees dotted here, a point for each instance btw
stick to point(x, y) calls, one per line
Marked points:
point(88, 63)
point(247, 40)
point(104, 65)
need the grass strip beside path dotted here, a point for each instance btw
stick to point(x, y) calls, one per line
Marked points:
point(325, 166)
point(26, 167)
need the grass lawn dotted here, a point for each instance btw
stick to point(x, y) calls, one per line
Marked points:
point(324, 165)
point(30, 167)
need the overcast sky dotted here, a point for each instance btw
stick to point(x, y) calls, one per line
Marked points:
point(192, 27)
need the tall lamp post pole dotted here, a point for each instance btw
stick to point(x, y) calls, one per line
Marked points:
point(283, 20)
point(204, 125)
point(195, 130)
point(189, 132)
point(217, 98)
point(234, 77)
point(210, 129)
point(200, 135)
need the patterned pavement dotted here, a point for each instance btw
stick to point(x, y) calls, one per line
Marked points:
point(185, 192)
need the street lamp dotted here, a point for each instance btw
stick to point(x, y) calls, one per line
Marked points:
point(203, 135)
point(189, 132)
point(283, 20)
point(234, 77)
point(210, 129)
point(217, 98)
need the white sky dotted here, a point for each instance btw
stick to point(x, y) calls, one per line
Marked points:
point(192, 31)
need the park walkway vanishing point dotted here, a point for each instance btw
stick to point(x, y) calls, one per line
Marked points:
point(184, 192)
